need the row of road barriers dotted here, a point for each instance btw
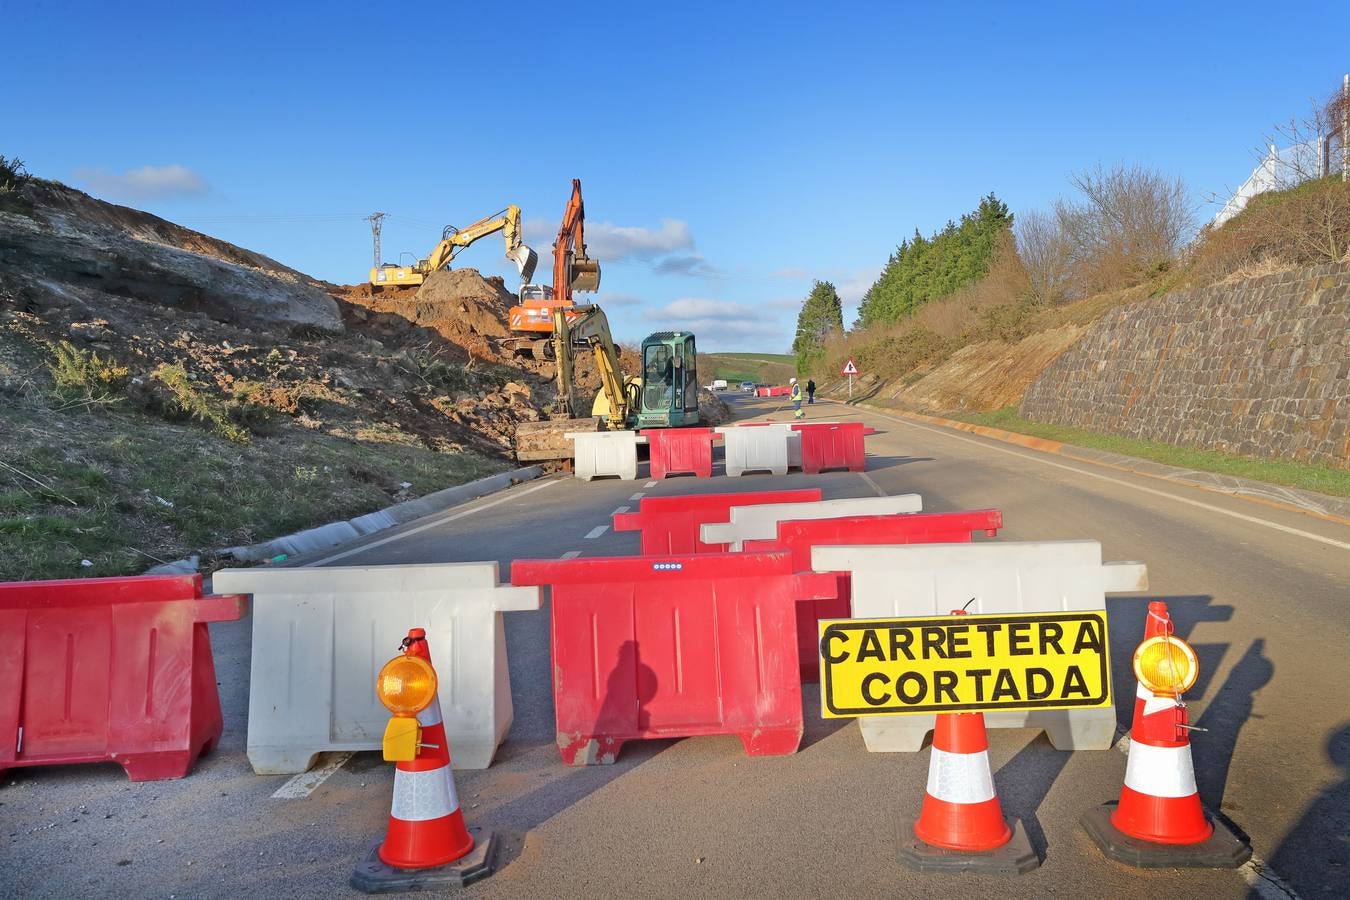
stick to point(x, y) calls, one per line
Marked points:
point(772, 447)
point(710, 631)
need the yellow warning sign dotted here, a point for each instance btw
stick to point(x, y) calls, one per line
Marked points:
point(1017, 661)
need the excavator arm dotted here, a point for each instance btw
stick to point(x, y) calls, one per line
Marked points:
point(589, 328)
point(507, 221)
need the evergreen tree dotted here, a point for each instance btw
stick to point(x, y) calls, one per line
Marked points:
point(923, 269)
point(822, 314)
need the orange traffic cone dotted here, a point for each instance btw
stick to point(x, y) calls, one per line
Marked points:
point(427, 843)
point(1159, 821)
point(961, 826)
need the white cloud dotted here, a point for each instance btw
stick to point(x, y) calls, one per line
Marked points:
point(623, 242)
point(853, 284)
point(692, 265)
point(619, 243)
point(145, 183)
point(669, 250)
point(724, 323)
point(794, 273)
point(617, 300)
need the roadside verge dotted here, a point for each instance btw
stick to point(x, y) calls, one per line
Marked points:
point(1322, 506)
point(334, 534)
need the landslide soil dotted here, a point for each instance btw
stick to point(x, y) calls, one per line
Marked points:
point(321, 400)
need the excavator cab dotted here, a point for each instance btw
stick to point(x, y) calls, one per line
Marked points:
point(669, 396)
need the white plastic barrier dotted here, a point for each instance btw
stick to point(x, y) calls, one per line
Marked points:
point(760, 523)
point(1002, 577)
point(321, 635)
point(606, 453)
point(765, 448)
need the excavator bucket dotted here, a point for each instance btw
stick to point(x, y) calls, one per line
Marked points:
point(525, 260)
point(585, 274)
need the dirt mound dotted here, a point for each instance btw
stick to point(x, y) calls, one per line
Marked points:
point(460, 305)
point(712, 409)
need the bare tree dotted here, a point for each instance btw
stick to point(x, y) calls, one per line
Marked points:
point(1046, 253)
point(1131, 223)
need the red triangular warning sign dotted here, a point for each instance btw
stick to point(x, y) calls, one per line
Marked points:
point(850, 368)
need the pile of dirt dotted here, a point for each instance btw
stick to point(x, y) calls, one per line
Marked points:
point(460, 305)
point(712, 409)
point(186, 314)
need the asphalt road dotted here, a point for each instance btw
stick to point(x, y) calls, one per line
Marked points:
point(1260, 592)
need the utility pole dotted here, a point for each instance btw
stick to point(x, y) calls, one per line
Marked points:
point(375, 219)
point(1345, 127)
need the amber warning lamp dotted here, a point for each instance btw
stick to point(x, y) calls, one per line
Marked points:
point(406, 686)
point(1166, 665)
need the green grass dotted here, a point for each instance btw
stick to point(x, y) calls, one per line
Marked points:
point(97, 487)
point(1322, 479)
point(761, 368)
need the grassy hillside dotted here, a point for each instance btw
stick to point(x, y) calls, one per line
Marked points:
point(761, 368)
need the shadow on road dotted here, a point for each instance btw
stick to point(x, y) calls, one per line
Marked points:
point(1315, 854)
point(1023, 781)
point(1224, 716)
point(880, 463)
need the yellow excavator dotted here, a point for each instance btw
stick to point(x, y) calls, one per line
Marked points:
point(454, 240)
point(665, 395)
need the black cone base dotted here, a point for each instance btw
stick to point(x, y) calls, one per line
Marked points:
point(1016, 857)
point(374, 876)
point(1223, 850)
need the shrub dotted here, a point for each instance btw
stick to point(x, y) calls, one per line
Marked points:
point(1300, 226)
point(13, 175)
point(83, 375)
point(178, 397)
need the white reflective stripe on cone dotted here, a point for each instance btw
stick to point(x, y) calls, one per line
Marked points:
point(1142, 692)
point(419, 796)
point(1160, 771)
point(960, 777)
point(432, 714)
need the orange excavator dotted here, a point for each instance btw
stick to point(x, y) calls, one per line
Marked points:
point(531, 321)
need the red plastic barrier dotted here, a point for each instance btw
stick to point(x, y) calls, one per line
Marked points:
point(674, 646)
point(112, 669)
point(833, 445)
point(911, 528)
point(773, 391)
point(677, 451)
point(671, 524)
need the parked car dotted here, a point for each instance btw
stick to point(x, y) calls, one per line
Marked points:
point(748, 387)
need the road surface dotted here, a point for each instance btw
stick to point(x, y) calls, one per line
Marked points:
point(1261, 593)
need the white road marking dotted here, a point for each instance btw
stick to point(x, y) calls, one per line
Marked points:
point(621, 509)
point(1297, 532)
point(638, 496)
point(650, 484)
point(302, 785)
point(570, 554)
point(596, 532)
point(876, 487)
point(441, 520)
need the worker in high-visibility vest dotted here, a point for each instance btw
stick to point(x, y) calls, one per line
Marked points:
point(796, 399)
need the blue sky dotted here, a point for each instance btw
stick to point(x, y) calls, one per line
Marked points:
point(729, 153)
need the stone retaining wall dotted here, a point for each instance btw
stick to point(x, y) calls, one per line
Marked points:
point(1258, 368)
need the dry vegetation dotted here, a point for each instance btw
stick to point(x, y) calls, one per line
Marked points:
point(1121, 241)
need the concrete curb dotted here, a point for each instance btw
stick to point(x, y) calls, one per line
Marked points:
point(1322, 506)
point(325, 537)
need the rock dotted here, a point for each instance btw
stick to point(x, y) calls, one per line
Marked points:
point(90, 331)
